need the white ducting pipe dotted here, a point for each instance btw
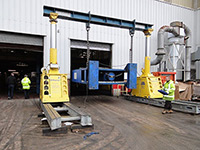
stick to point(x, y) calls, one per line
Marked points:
point(160, 50)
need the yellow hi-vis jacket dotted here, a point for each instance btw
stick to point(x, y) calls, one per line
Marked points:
point(26, 83)
point(169, 87)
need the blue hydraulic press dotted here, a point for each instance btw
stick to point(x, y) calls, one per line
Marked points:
point(95, 76)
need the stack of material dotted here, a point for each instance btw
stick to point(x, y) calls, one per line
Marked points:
point(183, 91)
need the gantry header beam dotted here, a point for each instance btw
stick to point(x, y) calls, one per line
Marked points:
point(96, 19)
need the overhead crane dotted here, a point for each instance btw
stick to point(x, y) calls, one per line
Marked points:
point(54, 86)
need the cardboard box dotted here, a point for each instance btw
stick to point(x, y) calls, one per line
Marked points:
point(177, 96)
point(185, 91)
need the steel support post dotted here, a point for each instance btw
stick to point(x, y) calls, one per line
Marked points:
point(53, 35)
point(147, 46)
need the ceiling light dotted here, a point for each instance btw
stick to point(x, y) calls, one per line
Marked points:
point(20, 64)
point(11, 70)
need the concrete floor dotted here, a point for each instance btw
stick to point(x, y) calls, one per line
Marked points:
point(121, 125)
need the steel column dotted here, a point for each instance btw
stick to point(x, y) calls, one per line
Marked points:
point(53, 36)
point(147, 46)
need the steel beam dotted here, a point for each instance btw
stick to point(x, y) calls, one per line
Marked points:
point(178, 105)
point(85, 119)
point(53, 118)
point(96, 19)
point(71, 118)
point(73, 114)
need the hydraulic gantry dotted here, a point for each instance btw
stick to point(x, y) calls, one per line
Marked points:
point(92, 75)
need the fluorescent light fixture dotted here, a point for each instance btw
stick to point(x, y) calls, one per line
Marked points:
point(20, 64)
point(11, 70)
point(16, 72)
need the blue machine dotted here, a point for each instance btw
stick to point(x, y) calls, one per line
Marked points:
point(101, 76)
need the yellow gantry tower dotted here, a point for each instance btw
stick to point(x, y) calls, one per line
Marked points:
point(53, 85)
point(147, 84)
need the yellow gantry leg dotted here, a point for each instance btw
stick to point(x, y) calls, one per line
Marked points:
point(147, 84)
point(53, 85)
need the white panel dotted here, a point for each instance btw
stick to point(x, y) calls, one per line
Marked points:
point(197, 29)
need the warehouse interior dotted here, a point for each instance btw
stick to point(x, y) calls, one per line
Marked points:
point(29, 66)
point(100, 74)
point(20, 59)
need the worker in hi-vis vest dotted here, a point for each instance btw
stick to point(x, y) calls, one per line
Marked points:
point(26, 86)
point(169, 88)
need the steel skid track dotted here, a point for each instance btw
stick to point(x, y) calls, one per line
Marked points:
point(71, 114)
point(178, 105)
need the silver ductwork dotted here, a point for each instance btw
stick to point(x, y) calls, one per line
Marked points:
point(160, 50)
point(195, 57)
point(187, 45)
point(174, 28)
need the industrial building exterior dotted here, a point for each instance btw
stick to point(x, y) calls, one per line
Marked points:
point(96, 69)
point(23, 27)
point(25, 17)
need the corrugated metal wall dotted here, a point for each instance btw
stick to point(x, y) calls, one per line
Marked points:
point(197, 29)
point(27, 16)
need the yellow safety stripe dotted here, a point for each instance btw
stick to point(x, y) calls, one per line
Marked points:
point(25, 86)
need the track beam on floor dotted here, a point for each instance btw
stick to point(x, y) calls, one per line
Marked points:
point(178, 105)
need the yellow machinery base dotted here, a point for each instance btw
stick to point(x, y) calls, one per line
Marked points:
point(148, 87)
point(53, 88)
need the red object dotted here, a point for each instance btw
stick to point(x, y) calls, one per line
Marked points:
point(163, 75)
point(115, 86)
